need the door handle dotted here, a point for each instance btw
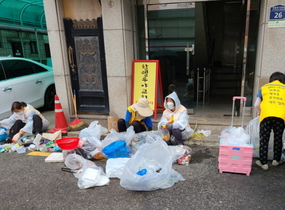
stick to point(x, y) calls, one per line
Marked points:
point(7, 89)
point(39, 81)
point(71, 58)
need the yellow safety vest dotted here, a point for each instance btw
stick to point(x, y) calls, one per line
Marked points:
point(135, 116)
point(273, 100)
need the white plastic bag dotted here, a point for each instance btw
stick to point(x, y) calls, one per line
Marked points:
point(74, 161)
point(91, 177)
point(235, 136)
point(153, 161)
point(187, 133)
point(77, 163)
point(116, 136)
point(115, 167)
point(93, 130)
point(252, 129)
point(138, 140)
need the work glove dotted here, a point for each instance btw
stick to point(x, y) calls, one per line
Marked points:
point(16, 137)
point(171, 119)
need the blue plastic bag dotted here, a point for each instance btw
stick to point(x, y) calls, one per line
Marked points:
point(117, 149)
point(3, 134)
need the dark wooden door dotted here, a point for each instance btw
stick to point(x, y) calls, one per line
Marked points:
point(86, 57)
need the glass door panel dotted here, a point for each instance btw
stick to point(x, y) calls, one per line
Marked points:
point(171, 35)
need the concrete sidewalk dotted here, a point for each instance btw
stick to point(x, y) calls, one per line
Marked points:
point(212, 140)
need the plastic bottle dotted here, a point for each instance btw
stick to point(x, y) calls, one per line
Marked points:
point(165, 132)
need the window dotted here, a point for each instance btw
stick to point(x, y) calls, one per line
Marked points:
point(33, 46)
point(38, 68)
point(17, 68)
point(47, 50)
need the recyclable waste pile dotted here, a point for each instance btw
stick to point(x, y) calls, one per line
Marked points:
point(142, 161)
point(29, 142)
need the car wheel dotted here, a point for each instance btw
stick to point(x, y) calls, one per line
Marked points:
point(49, 97)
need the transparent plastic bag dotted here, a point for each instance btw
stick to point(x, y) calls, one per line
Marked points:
point(117, 136)
point(252, 129)
point(235, 136)
point(92, 176)
point(115, 167)
point(76, 162)
point(138, 140)
point(93, 130)
point(150, 168)
point(90, 147)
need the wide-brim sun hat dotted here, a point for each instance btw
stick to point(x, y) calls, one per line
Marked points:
point(143, 108)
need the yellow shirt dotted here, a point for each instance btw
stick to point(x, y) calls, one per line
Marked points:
point(273, 100)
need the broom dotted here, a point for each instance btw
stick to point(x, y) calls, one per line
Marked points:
point(76, 124)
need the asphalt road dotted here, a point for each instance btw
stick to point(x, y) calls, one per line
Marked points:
point(27, 182)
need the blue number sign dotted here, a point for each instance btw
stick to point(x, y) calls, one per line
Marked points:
point(277, 12)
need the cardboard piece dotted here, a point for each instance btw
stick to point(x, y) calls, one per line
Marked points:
point(112, 122)
point(55, 157)
point(52, 136)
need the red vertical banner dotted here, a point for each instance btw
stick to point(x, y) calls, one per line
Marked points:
point(146, 83)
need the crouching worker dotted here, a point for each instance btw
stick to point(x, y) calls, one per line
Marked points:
point(175, 118)
point(270, 102)
point(138, 115)
point(25, 119)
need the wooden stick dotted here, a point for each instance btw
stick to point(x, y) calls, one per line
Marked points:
point(75, 109)
point(74, 102)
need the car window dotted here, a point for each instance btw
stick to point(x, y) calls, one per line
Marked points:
point(38, 68)
point(2, 75)
point(17, 68)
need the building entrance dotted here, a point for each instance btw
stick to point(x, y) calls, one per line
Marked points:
point(200, 46)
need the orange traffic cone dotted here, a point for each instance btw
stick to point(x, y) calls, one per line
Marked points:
point(59, 117)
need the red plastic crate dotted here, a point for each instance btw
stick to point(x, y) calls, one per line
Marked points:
point(235, 159)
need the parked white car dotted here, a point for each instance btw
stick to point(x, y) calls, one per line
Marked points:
point(25, 80)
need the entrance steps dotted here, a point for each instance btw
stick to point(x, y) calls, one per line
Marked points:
point(214, 122)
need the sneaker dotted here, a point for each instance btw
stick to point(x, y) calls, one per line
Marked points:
point(276, 163)
point(264, 167)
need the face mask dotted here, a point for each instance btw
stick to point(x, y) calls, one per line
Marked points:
point(170, 105)
point(20, 113)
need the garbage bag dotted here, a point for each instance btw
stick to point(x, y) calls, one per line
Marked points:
point(74, 161)
point(235, 136)
point(252, 129)
point(113, 136)
point(115, 167)
point(93, 130)
point(150, 168)
point(90, 148)
point(92, 176)
point(3, 134)
point(138, 140)
point(77, 163)
point(177, 152)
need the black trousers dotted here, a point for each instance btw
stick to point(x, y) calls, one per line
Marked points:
point(277, 125)
point(138, 127)
point(177, 133)
point(19, 124)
